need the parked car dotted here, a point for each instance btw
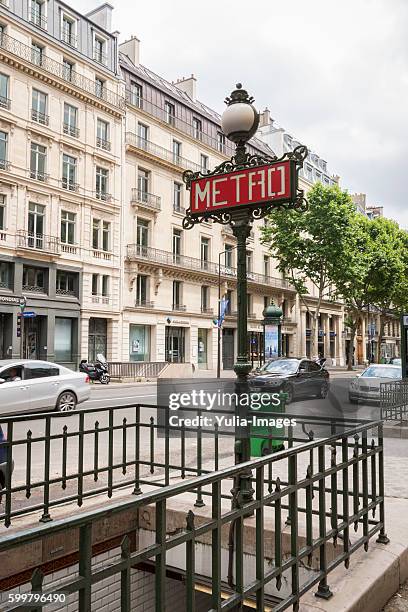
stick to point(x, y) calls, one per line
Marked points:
point(296, 377)
point(3, 462)
point(396, 361)
point(366, 386)
point(30, 386)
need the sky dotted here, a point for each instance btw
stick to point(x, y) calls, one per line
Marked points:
point(334, 74)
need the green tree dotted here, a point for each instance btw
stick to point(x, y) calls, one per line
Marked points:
point(314, 248)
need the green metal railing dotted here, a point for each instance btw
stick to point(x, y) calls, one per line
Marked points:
point(394, 401)
point(338, 497)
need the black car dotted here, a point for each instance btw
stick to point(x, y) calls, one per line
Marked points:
point(296, 377)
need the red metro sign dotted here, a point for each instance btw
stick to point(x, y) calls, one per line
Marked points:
point(247, 187)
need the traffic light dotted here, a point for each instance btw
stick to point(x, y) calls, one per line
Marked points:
point(19, 325)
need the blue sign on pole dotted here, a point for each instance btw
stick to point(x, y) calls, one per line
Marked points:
point(29, 314)
point(223, 310)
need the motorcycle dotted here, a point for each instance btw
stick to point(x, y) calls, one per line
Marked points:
point(96, 371)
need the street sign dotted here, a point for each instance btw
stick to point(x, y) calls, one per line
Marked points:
point(246, 187)
point(29, 314)
point(11, 299)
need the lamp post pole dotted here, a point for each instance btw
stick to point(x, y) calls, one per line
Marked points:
point(219, 314)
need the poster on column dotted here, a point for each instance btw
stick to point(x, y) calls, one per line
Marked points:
point(271, 341)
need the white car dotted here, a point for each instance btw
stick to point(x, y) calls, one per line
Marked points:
point(366, 387)
point(28, 386)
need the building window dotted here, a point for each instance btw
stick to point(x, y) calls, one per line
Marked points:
point(142, 235)
point(204, 298)
point(2, 212)
point(229, 262)
point(101, 235)
point(139, 342)
point(266, 265)
point(33, 279)
point(205, 252)
point(38, 16)
point(100, 287)
point(177, 197)
point(69, 173)
point(177, 295)
point(5, 275)
point(249, 261)
point(102, 176)
point(63, 343)
point(176, 152)
point(105, 285)
point(38, 162)
point(136, 94)
point(39, 107)
point(65, 283)
point(70, 120)
point(68, 221)
point(169, 113)
point(68, 27)
point(95, 284)
point(143, 181)
point(204, 162)
point(3, 150)
point(141, 290)
point(99, 87)
point(99, 50)
point(176, 245)
point(221, 142)
point(67, 70)
point(36, 225)
point(197, 128)
point(4, 91)
point(102, 135)
point(37, 54)
point(143, 135)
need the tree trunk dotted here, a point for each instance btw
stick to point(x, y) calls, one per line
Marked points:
point(380, 337)
point(350, 353)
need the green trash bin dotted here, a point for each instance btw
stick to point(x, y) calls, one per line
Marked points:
point(264, 446)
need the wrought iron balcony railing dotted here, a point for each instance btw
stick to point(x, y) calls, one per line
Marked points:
point(39, 117)
point(38, 242)
point(135, 251)
point(149, 200)
point(68, 38)
point(101, 143)
point(69, 185)
point(15, 47)
point(150, 147)
point(177, 208)
point(4, 164)
point(67, 292)
point(207, 310)
point(71, 130)
point(4, 102)
point(100, 57)
point(102, 195)
point(184, 126)
point(39, 176)
point(144, 304)
point(38, 19)
point(33, 288)
point(179, 307)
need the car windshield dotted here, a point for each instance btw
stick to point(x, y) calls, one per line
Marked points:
point(381, 372)
point(281, 367)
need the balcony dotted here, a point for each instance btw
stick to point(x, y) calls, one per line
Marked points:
point(101, 143)
point(14, 47)
point(105, 255)
point(39, 117)
point(71, 249)
point(38, 19)
point(206, 310)
point(38, 242)
point(70, 130)
point(69, 185)
point(4, 102)
point(181, 210)
point(102, 195)
point(100, 57)
point(167, 258)
point(187, 128)
point(153, 149)
point(179, 307)
point(4, 164)
point(39, 176)
point(100, 299)
point(145, 199)
point(144, 304)
point(65, 292)
point(68, 38)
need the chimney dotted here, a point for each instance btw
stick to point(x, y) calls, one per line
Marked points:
point(265, 118)
point(189, 86)
point(102, 16)
point(131, 48)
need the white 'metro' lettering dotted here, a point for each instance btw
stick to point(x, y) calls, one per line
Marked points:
point(252, 183)
point(281, 170)
point(237, 178)
point(216, 191)
point(201, 195)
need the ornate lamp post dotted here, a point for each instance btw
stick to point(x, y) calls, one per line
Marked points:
point(238, 191)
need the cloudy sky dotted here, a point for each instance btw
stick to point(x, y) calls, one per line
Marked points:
point(335, 74)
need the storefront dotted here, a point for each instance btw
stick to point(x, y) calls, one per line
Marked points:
point(139, 342)
point(175, 343)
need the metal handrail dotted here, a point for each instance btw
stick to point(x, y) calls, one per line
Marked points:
point(19, 49)
point(362, 509)
point(150, 147)
point(135, 251)
point(39, 117)
point(148, 199)
point(38, 242)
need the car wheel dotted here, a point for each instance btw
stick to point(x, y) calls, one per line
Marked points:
point(288, 389)
point(323, 391)
point(66, 402)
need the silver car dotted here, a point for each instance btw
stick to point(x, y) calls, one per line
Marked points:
point(366, 387)
point(29, 386)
